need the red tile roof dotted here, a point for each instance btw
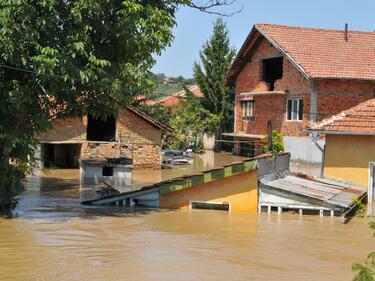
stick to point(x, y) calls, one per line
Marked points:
point(176, 98)
point(318, 53)
point(357, 120)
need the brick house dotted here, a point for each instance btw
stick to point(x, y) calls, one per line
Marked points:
point(296, 76)
point(131, 134)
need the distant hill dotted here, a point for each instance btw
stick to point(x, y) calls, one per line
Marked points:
point(167, 86)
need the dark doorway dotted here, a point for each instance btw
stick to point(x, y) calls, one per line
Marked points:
point(272, 71)
point(100, 129)
point(61, 155)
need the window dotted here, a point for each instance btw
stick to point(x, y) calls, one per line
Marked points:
point(99, 129)
point(107, 171)
point(248, 109)
point(272, 70)
point(294, 109)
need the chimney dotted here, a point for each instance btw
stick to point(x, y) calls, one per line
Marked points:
point(346, 32)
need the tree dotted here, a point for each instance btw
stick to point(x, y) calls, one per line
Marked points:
point(190, 121)
point(277, 143)
point(215, 59)
point(61, 58)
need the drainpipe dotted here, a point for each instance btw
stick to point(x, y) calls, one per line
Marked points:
point(314, 137)
point(313, 120)
point(313, 102)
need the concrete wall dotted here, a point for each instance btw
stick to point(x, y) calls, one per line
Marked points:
point(347, 158)
point(303, 149)
point(241, 191)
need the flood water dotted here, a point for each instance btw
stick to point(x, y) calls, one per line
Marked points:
point(50, 236)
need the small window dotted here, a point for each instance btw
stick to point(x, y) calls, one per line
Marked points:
point(294, 109)
point(107, 171)
point(248, 110)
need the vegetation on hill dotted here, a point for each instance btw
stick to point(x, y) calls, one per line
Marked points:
point(167, 86)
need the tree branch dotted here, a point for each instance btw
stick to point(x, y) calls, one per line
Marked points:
point(209, 6)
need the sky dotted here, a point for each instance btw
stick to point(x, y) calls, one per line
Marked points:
point(194, 27)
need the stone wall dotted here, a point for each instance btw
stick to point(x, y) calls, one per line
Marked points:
point(135, 138)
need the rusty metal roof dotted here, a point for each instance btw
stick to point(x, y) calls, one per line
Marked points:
point(326, 192)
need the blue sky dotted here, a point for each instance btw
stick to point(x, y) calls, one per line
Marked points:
point(194, 28)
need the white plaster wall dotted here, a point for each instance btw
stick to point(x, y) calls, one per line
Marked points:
point(92, 174)
point(303, 149)
point(208, 142)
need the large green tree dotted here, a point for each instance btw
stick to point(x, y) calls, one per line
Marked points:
point(63, 57)
point(215, 59)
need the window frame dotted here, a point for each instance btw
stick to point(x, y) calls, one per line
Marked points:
point(248, 110)
point(295, 116)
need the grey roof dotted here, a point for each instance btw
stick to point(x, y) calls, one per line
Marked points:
point(328, 193)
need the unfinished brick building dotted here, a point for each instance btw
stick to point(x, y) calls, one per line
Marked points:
point(131, 134)
point(295, 77)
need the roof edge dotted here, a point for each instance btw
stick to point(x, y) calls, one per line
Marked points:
point(149, 119)
point(277, 46)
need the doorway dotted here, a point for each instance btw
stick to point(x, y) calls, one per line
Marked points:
point(61, 155)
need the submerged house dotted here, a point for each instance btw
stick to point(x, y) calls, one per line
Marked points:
point(131, 134)
point(349, 151)
point(295, 77)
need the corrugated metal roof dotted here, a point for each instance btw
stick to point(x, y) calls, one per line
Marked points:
point(327, 193)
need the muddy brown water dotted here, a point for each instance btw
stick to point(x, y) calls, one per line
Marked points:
point(50, 236)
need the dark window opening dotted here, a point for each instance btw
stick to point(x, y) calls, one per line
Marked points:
point(100, 129)
point(107, 171)
point(272, 71)
point(210, 206)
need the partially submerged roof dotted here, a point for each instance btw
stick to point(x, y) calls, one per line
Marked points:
point(149, 119)
point(359, 120)
point(318, 53)
point(327, 193)
point(280, 187)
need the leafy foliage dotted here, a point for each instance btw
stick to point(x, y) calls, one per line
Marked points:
point(277, 143)
point(191, 120)
point(63, 58)
point(157, 111)
point(361, 207)
point(215, 59)
point(366, 271)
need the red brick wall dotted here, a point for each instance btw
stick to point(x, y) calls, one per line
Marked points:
point(68, 130)
point(271, 107)
point(337, 95)
point(333, 96)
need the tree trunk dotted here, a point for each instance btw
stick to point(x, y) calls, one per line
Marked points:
point(6, 176)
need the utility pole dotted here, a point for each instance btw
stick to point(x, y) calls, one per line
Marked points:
point(269, 133)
